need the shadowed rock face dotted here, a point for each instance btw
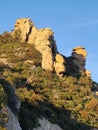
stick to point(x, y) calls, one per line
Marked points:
point(79, 57)
point(46, 125)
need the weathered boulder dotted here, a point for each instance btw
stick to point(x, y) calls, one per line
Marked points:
point(59, 65)
point(46, 125)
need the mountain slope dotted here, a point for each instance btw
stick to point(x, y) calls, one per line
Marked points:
point(61, 93)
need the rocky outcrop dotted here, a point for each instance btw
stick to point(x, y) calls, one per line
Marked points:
point(79, 55)
point(59, 65)
point(42, 39)
point(23, 25)
point(46, 125)
point(45, 43)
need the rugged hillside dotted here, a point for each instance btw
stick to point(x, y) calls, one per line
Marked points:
point(41, 89)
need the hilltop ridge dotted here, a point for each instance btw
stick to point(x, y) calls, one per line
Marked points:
point(40, 88)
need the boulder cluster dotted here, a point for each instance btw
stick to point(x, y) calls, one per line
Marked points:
point(43, 40)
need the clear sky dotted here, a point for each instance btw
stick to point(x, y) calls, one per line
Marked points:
point(74, 22)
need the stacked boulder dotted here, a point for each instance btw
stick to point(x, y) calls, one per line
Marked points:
point(79, 58)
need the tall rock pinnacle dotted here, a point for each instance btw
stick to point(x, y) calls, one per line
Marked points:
point(79, 55)
point(43, 40)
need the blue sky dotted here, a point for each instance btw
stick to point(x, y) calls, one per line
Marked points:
point(74, 22)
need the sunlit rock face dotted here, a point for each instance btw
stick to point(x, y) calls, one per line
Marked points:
point(45, 43)
point(13, 123)
point(59, 65)
point(43, 40)
point(46, 125)
point(88, 73)
point(23, 25)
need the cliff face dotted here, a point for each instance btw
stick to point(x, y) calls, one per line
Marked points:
point(43, 40)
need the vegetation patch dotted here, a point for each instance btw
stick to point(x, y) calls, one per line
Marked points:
point(68, 101)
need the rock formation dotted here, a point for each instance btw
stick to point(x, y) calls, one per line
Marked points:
point(13, 123)
point(46, 125)
point(23, 25)
point(45, 43)
point(59, 65)
point(42, 39)
point(79, 58)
